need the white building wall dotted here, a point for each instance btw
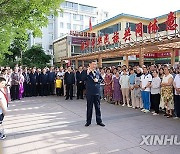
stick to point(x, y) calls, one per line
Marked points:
point(60, 25)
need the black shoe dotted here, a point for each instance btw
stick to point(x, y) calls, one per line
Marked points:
point(166, 114)
point(66, 98)
point(77, 98)
point(71, 98)
point(101, 124)
point(87, 125)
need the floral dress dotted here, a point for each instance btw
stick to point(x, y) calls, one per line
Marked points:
point(167, 94)
point(108, 85)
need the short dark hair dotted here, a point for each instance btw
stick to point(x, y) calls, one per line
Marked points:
point(2, 79)
point(156, 71)
point(91, 61)
point(4, 70)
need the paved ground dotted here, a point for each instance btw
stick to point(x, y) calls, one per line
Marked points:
point(50, 125)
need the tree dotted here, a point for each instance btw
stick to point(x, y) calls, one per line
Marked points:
point(19, 16)
point(17, 47)
point(36, 57)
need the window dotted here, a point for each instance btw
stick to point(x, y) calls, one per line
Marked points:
point(75, 6)
point(38, 44)
point(93, 19)
point(144, 28)
point(68, 15)
point(61, 34)
point(74, 16)
point(131, 25)
point(51, 16)
point(75, 27)
point(50, 26)
point(110, 30)
point(61, 14)
point(162, 27)
point(81, 27)
point(68, 26)
point(51, 37)
point(61, 24)
point(50, 46)
point(70, 5)
point(85, 8)
point(81, 17)
point(106, 15)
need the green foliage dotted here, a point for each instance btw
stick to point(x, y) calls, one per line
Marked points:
point(16, 49)
point(19, 16)
point(36, 57)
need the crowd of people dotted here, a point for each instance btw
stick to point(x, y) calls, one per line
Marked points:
point(149, 88)
point(154, 88)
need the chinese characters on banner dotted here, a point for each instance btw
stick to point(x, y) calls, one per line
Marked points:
point(116, 37)
point(127, 34)
point(139, 29)
point(152, 28)
point(171, 22)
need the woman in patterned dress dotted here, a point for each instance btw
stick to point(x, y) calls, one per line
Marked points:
point(108, 85)
point(117, 94)
point(167, 92)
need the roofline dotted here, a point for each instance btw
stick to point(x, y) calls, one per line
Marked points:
point(80, 3)
point(127, 15)
point(60, 38)
point(164, 15)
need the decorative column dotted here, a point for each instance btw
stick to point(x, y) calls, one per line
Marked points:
point(82, 63)
point(173, 55)
point(99, 61)
point(61, 63)
point(76, 63)
point(141, 57)
point(127, 61)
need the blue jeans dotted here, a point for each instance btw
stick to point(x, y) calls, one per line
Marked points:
point(146, 99)
point(102, 91)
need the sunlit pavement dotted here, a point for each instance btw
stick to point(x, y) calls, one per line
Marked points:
point(51, 125)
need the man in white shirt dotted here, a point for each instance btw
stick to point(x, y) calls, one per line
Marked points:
point(124, 82)
point(146, 80)
point(3, 106)
point(177, 94)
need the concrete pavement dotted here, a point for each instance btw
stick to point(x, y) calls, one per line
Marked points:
point(51, 125)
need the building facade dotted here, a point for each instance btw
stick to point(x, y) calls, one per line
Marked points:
point(120, 23)
point(74, 17)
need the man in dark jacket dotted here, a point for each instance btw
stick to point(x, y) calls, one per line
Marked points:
point(43, 83)
point(69, 81)
point(15, 84)
point(33, 82)
point(93, 79)
point(26, 83)
point(51, 80)
point(80, 83)
point(38, 86)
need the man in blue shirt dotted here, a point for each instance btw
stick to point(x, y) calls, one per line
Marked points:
point(93, 80)
point(132, 82)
